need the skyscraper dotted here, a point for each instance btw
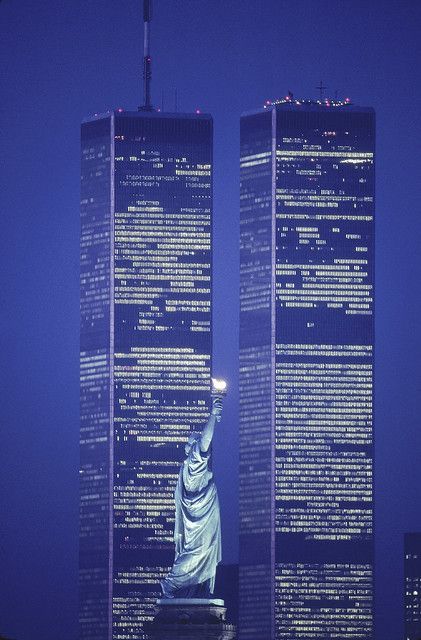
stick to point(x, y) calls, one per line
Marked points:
point(306, 371)
point(145, 349)
point(146, 204)
point(412, 586)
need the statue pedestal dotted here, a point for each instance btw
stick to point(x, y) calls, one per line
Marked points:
point(190, 619)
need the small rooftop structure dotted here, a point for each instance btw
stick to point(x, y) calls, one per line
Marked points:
point(323, 102)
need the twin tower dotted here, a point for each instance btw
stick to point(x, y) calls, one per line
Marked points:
point(306, 362)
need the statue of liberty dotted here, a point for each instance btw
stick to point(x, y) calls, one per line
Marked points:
point(197, 533)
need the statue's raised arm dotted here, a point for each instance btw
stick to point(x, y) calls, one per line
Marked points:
point(197, 533)
point(207, 433)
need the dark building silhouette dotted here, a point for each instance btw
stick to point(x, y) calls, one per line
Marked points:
point(226, 587)
point(306, 371)
point(412, 587)
point(146, 202)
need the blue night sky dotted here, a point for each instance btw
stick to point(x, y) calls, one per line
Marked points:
point(62, 60)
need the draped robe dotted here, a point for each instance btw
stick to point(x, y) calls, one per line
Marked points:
point(197, 533)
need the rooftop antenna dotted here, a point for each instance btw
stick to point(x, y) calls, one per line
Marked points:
point(322, 90)
point(147, 61)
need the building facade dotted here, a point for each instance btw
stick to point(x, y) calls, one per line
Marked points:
point(146, 205)
point(412, 586)
point(306, 371)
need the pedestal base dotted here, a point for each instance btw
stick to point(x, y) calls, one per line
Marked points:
point(190, 619)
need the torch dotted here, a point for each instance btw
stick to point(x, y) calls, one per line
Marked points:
point(219, 390)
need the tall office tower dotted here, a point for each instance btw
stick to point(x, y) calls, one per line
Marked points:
point(306, 371)
point(412, 587)
point(146, 203)
point(145, 349)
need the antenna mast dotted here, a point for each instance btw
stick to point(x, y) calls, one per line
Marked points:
point(322, 90)
point(147, 61)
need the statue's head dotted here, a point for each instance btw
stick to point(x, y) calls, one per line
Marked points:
point(193, 437)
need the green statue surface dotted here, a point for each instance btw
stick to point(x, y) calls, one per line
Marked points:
point(197, 533)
